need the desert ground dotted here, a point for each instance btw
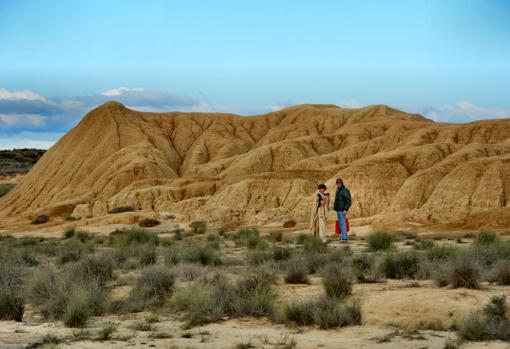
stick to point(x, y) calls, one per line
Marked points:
point(192, 286)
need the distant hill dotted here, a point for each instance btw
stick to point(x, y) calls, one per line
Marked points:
point(229, 169)
point(18, 161)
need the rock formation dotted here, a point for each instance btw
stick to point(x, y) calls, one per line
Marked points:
point(228, 169)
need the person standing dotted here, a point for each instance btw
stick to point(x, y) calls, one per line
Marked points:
point(319, 216)
point(341, 206)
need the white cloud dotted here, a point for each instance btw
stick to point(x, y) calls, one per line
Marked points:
point(464, 111)
point(281, 105)
point(17, 120)
point(121, 90)
point(350, 103)
point(20, 95)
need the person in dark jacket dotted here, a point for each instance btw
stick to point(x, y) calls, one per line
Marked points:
point(341, 206)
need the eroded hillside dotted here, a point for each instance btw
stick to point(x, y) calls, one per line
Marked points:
point(233, 169)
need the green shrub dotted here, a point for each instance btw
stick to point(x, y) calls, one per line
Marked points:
point(198, 227)
point(77, 310)
point(65, 294)
point(155, 283)
point(400, 265)
point(177, 233)
point(199, 253)
point(12, 304)
point(148, 255)
point(485, 238)
point(72, 251)
point(441, 253)
point(337, 281)
point(41, 219)
point(275, 236)
point(314, 262)
point(92, 268)
point(121, 209)
point(491, 323)
point(211, 299)
point(281, 254)
point(424, 244)
point(325, 312)
point(69, 232)
point(463, 272)
point(131, 236)
point(296, 273)
point(300, 313)
point(379, 240)
point(330, 314)
point(257, 257)
point(365, 268)
point(148, 222)
point(312, 244)
point(106, 332)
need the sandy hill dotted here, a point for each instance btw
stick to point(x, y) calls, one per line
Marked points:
point(226, 168)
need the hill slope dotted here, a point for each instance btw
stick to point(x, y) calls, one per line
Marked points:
point(227, 168)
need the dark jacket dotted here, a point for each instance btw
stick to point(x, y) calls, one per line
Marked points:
point(342, 199)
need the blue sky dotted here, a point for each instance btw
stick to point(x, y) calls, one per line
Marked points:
point(448, 60)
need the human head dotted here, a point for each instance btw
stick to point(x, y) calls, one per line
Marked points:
point(322, 188)
point(339, 182)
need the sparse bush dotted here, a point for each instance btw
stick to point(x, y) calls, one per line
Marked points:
point(400, 265)
point(500, 273)
point(312, 244)
point(289, 223)
point(424, 244)
point(365, 268)
point(281, 254)
point(121, 209)
point(491, 323)
point(69, 232)
point(379, 240)
point(106, 332)
point(41, 219)
point(133, 235)
point(463, 272)
point(77, 311)
point(299, 313)
point(297, 273)
point(337, 281)
point(154, 284)
point(148, 222)
point(209, 300)
point(198, 227)
point(199, 253)
point(485, 238)
point(189, 271)
point(441, 253)
point(177, 233)
point(330, 314)
point(67, 295)
point(71, 218)
point(83, 235)
point(326, 313)
point(12, 304)
point(147, 255)
point(92, 269)
point(257, 257)
point(275, 236)
point(249, 237)
point(314, 262)
point(72, 251)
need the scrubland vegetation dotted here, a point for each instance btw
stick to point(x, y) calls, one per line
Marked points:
point(204, 276)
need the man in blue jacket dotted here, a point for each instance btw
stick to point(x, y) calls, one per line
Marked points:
point(342, 205)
